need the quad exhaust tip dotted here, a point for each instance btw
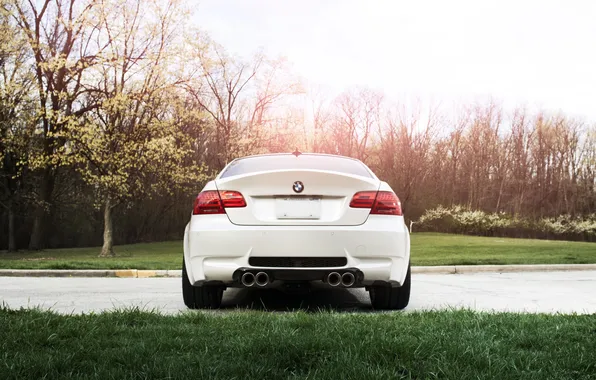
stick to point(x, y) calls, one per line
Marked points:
point(248, 279)
point(334, 279)
point(262, 279)
point(348, 279)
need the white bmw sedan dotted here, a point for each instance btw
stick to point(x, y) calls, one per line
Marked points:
point(294, 221)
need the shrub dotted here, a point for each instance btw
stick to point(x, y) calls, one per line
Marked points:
point(459, 219)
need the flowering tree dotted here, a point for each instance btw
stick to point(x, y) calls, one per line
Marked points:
point(133, 144)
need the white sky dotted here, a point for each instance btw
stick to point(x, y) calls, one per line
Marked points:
point(527, 52)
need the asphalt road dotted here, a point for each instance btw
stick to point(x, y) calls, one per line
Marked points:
point(549, 292)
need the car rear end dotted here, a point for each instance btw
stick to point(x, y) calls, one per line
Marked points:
point(279, 220)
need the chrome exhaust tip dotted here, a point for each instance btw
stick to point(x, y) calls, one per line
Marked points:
point(262, 279)
point(248, 279)
point(333, 279)
point(348, 279)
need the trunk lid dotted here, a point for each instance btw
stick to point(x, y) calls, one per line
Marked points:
point(324, 199)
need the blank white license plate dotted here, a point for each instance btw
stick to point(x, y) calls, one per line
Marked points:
point(298, 208)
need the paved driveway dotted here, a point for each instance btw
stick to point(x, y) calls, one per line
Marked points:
point(564, 292)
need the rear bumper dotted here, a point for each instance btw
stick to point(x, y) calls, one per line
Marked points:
point(214, 248)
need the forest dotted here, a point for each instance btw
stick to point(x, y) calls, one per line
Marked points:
point(115, 113)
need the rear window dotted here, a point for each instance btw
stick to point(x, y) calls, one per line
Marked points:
point(303, 161)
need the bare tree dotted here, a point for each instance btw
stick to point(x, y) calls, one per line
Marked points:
point(218, 87)
point(357, 115)
point(405, 155)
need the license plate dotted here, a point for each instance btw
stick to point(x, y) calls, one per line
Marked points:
point(298, 208)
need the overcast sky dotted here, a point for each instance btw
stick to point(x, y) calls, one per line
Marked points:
point(531, 52)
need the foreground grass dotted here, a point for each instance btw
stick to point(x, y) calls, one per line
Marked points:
point(239, 345)
point(427, 249)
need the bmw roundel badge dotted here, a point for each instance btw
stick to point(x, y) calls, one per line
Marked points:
point(298, 187)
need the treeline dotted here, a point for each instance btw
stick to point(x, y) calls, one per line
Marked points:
point(114, 113)
point(482, 158)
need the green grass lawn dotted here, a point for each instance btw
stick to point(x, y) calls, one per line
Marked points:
point(447, 249)
point(163, 255)
point(323, 345)
point(427, 249)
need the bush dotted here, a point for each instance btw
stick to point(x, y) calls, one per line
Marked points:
point(459, 219)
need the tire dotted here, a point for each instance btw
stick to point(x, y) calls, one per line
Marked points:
point(200, 297)
point(388, 298)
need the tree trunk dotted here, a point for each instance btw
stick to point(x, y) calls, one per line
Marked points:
point(12, 244)
point(108, 242)
point(37, 239)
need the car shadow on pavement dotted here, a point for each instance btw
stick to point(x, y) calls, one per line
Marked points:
point(276, 300)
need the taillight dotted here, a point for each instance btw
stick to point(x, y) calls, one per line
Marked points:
point(208, 202)
point(387, 203)
point(215, 202)
point(381, 203)
point(363, 199)
point(232, 199)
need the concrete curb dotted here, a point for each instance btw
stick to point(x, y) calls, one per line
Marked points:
point(124, 273)
point(460, 269)
point(443, 269)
